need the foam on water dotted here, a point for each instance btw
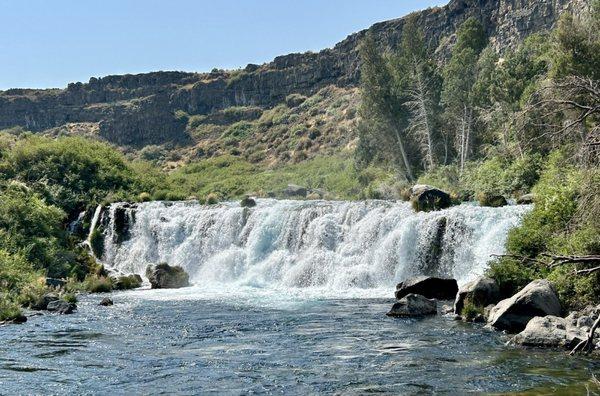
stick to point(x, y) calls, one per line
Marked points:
point(308, 248)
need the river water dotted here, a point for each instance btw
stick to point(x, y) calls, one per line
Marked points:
point(287, 298)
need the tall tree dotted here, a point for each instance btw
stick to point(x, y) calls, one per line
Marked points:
point(382, 106)
point(460, 75)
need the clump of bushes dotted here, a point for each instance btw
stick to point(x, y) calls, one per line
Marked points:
point(212, 199)
point(97, 284)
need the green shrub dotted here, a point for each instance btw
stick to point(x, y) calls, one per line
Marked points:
point(127, 282)
point(144, 197)
point(97, 242)
point(9, 310)
point(512, 275)
point(97, 284)
point(470, 311)
point(70, 298)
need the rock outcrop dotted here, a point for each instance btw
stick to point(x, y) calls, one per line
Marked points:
point(144, 109)
point(413, 305)
point(536, 299)
point(430, 287)
point(549, 332)
point(164, 276)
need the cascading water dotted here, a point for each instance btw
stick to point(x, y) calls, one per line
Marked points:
point(363, 246)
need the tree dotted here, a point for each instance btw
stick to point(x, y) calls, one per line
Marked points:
point(382, 107)
point(422, 91)
point(460, 75)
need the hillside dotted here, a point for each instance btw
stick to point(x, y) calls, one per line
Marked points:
point(293, 108)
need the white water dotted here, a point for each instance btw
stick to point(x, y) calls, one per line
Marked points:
point(317, 247)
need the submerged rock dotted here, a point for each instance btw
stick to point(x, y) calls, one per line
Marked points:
point(106, 302)
point(164, 276)
point(62, 307)
point(426, 198)
point(550, 332)
point(413, 305)
point(481, 292)
point(536, 299)
point(430, 287)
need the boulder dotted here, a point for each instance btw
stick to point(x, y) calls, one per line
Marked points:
point(62, 307)
point(549, 332)
point(430, 287)
point(164, 276)
point(413, 305)
point(293, 190)
point(492, 201)
point(106, 302)
point(426, 198)
point(526, 199)
point(55, 283)
point(42, 303)
point(247, 202)
point(536, 299)
point(481, 292)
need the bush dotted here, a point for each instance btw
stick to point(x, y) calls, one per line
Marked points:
point(70, 298)
point(9, 310)
point(470, 311)
point(512, 275)
point(127, 282)
point(97, 284)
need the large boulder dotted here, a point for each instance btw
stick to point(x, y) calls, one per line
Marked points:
point(481, 292)
point(413, 305)
point(430, 287)
point(164, 276)
point(550, 332)
point(536, 299)
point(425, 198)
point(62, 307)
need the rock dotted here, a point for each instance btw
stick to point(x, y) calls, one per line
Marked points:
point(42, 303)
point(164, 276)
point(492, 201)
point(481, 292)
point(549, 332)
point(430, 287)
point(293, 190)
point(536, 299)
point(55, 283)
point(426, 198)
point(62, 307)
point(413, 305)
point(247, 202)
point(106, 302)
point(526, 199)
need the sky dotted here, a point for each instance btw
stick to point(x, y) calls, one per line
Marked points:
point(49, 43)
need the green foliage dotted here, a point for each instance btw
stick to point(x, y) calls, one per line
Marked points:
point(127, 282)
point(70, 298)
point(97, 284)
point(471, 311)
point(9, 310)
point(511, 275)
point(212, 199)
point(71, 172)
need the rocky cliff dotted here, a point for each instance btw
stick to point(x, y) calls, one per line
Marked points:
point(138, 110)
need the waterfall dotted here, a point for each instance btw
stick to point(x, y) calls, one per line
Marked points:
point(310, 244)
point(93, 224)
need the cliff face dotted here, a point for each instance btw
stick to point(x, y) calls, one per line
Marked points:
point(137, 110)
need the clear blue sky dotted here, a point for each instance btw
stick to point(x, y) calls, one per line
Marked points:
point(49, 43)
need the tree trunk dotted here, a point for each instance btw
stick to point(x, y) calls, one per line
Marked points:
point(409, 175)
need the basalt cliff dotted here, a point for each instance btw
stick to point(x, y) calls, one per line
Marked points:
point(154, 108)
